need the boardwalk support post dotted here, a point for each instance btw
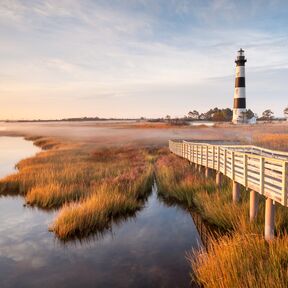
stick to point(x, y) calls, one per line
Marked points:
point(269, 219)
point(207, 172)
point(236, 192)
point(253, 205)
point(219, 179)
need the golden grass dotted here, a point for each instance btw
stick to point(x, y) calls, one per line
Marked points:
point(273, 141)
point(242, 260)
point(177, 180)
point(99, 184)
point(96, 212)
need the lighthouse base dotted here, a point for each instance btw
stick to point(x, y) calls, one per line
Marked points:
point(239, 116)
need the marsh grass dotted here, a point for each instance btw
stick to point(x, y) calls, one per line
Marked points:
point(242, 260)
point(239, 255)
point(90, 187)
point(272, 140)
point(177, 179)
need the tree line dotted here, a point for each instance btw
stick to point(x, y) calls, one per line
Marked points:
point(226, 114)
point(216, 114)
point(219, 115)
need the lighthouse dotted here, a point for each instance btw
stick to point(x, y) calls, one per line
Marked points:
point(239, 107)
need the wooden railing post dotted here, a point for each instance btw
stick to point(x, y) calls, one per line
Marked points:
point(218, 158)
point(284, 183)
point(245, 171)
point(183, 155)
point(213, 156)
point(232, 165)
point(193, 153)
point(225, 162)
point(261, 182)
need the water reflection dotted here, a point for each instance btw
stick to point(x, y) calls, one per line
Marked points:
point(12, 150)
point(146, 251)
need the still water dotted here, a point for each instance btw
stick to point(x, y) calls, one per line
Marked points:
point(144, 251)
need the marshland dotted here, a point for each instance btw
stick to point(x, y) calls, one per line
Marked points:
point(91, 200)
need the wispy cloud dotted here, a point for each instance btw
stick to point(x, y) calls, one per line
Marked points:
point(143, 49)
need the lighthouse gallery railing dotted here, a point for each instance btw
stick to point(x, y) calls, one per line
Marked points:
point(262, 170)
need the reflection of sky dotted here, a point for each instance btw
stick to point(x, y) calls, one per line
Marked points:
point(145, 251)
point(13, 149)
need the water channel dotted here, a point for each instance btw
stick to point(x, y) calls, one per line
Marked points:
point(148, 250)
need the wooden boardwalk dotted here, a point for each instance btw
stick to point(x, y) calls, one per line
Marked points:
point(262, 171)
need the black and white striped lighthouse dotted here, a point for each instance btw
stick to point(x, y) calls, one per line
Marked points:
point(239, 107)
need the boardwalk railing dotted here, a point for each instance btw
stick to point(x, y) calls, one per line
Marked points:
point(261, 170)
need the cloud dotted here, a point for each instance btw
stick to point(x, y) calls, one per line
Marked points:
point(99, 51)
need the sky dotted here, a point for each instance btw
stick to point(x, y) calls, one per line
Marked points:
point(133, 58)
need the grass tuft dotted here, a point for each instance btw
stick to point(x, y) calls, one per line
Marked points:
point(242, 260)
point(90, 187)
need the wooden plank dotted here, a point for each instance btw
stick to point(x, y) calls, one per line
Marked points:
point(273, 174)
point(239, 179)
point(253, 168)
point(239, 171)
point(273, 189)
point(239, 167)
point(254, 175)
point(253, 161)
point(276, 184)
point(253, 186)
point(274, 167)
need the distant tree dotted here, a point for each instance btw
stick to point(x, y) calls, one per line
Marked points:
point(218, 116)
point(267, 115)
point(286, 112)
point(250, 114)
point(168, 118)
point(228, 113)
point(193, 114)
point(202, 116)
